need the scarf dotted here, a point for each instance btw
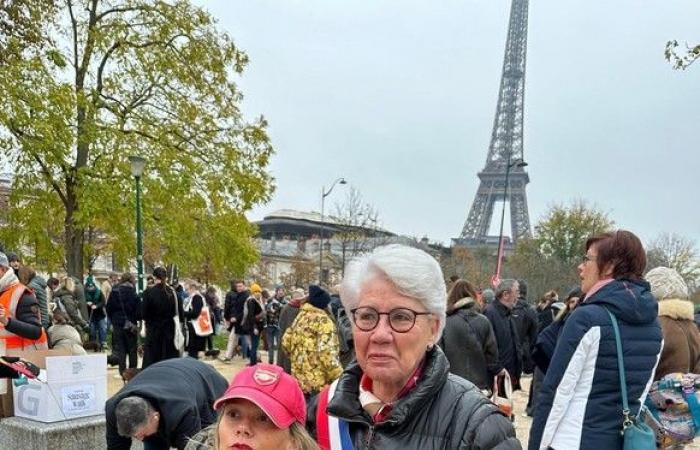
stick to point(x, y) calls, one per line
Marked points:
point(377, 409)
point(598, 286)
point(8, 280)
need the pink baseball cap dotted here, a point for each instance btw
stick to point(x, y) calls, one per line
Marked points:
point(272, 390)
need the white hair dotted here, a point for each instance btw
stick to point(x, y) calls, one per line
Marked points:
point(666, 283)
point(413, 272)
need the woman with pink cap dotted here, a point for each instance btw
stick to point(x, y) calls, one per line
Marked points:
point(262, 409)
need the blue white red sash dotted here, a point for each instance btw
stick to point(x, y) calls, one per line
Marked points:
point(331, 433)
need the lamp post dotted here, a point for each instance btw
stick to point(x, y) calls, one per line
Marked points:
point(137, 165)
point(325, 193)
point(499, 257)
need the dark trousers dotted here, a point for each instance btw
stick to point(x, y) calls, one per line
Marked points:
point(195, 345)
point(254, 342)
point(124, 344)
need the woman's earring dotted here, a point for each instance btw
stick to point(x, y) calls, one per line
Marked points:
point(430, 347)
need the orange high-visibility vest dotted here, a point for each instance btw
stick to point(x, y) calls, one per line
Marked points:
point(9, 299)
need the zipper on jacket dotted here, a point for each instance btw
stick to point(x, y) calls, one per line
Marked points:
point(370, 436)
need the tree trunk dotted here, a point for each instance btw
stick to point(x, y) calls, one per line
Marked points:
point(73, 241)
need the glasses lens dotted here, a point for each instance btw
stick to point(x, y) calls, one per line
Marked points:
point(366, 318)
point(402, 320)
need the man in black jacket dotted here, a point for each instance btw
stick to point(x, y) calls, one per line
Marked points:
point(124, 311)
point(525, 318)
point(500, 314)
point(233, 318)
point(164, 405)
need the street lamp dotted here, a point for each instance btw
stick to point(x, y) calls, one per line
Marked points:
point(325, 193)
point(499, 256)
point(137, 165)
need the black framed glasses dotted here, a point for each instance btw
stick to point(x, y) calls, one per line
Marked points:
point(401, 320)
point(586, 258)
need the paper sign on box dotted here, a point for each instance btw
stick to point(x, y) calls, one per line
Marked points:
point(70, 387)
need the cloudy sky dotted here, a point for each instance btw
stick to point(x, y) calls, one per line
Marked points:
point(399, 98)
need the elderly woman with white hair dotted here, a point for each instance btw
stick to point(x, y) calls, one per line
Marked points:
point(399, 393)
point(681, 351)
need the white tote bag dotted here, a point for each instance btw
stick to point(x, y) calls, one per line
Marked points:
point(179, 338)
point(202, 324)
point(503, 400)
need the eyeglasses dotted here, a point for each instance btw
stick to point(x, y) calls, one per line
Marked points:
point(586, 258)
point(401, 320)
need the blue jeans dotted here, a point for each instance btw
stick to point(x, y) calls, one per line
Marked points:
point(254, 341)
point(273, 342)
point(244, 342)
point(98, 331)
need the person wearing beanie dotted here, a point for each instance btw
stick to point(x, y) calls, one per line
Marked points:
point(19, 316)
point(681, 351)
point(253, 321)
point(288, 313)
point(312, 344)
point(14, 261)
point(319, 297)
point(97, 316)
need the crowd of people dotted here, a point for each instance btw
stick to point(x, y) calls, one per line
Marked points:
point(390, 358)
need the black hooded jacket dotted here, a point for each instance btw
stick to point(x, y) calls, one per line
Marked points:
point(442, 412)
point(182, 390)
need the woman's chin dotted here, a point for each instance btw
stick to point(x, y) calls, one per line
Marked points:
point(384, 371)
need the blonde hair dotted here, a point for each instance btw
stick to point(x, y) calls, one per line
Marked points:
point(299, 438)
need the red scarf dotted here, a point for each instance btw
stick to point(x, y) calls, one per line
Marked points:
point(384, 411)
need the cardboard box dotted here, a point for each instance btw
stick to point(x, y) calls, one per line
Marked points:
point(69, 387)
point(37, 357)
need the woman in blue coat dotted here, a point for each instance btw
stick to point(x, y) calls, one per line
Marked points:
point(580, 406)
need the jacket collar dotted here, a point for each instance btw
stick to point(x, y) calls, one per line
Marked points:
point(677, 309)
point(346, 403)
point(501, 308)
point(466, 303)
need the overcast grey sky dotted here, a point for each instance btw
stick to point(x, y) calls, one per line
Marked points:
point(399, 98)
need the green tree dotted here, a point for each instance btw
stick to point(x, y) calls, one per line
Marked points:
point(563, 231)
point(681, 60)
point(121, 77)
point(22, 26)
point(475, 265)
point(549, 259)
point(303, 272)
point(677, 252)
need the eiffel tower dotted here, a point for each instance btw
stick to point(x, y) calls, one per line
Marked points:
point(503, 177)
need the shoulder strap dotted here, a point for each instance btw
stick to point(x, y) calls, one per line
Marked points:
point(174, 294)
point(472, 331)
point(621, 370)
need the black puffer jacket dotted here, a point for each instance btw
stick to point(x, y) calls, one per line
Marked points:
point(442, 412)
point(470, 345)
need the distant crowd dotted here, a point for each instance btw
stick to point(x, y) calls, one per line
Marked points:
point(393, 357)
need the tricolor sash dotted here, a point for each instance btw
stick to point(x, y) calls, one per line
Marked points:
point(332, 433)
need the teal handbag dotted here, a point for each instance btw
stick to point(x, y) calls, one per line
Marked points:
point(636, 434)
